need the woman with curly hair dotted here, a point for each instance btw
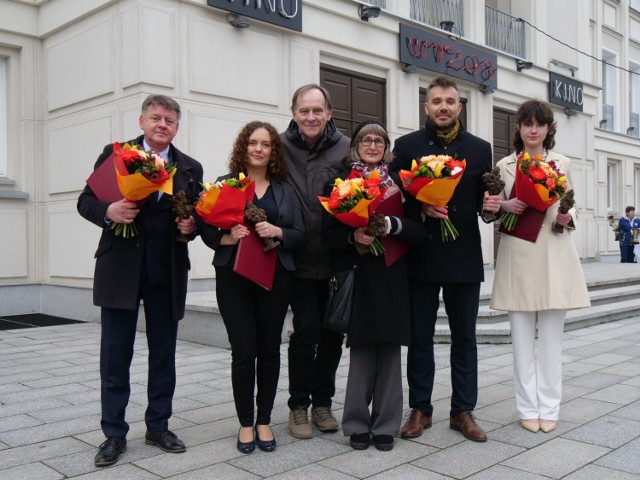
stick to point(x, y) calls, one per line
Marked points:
point(254, 316)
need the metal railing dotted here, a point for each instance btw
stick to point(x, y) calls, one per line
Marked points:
point(432, 12)
point(377, 3)
point(504, 32)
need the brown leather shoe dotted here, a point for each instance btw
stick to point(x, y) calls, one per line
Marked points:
point(415, 424)
point(465, 422)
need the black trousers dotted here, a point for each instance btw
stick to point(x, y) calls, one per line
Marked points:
point(461, 302)
point(253, 318)
point(314, 351)
point(116, 353)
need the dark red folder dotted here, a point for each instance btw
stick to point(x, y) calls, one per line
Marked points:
point(103, 182)
point(528, 225)
point(253, 263)
point(394, 248)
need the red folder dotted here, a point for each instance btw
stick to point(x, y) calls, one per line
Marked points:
point(253, 263)
point(103, 182)
point(394, 249)
point(528, 225)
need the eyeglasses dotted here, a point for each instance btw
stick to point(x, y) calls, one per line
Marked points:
point(378, 142)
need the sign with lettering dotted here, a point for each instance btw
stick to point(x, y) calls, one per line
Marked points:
point(566, 92)
point(284, 13)
point(440, 54)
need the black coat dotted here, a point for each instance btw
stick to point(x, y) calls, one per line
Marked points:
point(289, 220)
point(457, 261)
point(119, 261)
point(381, 310)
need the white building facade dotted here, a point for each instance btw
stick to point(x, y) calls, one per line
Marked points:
point(73, 74)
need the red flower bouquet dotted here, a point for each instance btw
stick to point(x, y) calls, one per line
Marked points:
point(538, 183)
point(139, 174)
point(222, 204)
point(433, 179)
point(354, 200)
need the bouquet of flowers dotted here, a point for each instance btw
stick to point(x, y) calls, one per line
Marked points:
point(613, 224)
point(433, 179)
point(139, 174)
point(353, 202)
point(222, 203)
point(539, 184)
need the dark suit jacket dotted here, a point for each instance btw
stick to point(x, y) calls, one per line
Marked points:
point(289, 220)
point(459, 260)
point(120, 262)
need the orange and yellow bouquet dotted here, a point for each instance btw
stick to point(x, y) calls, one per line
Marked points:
point(354, 200)
point(222, 203)
point(538, 183)
point(139, 174)
point(433, 179)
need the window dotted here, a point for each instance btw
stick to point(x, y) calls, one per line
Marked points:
point(636, 185)
point(612, 187)
point(633, 128)
point(3, 117)
point(610, 90)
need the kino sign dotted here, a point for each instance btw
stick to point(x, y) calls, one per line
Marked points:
point(566, 92)
point(285, 13)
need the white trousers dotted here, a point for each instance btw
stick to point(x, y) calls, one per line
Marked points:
point(537, 376)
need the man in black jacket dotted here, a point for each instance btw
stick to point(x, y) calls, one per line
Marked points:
point(150, 266)
point(315, 151)
point(454, 266)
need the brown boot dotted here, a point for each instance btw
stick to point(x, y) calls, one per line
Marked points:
point(415, 424)
point(465, 422)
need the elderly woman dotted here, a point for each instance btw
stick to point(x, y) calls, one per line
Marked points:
point(252, 315)
point(380, 321)
point(537, 282)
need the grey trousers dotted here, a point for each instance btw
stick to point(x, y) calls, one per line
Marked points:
point(375, 378)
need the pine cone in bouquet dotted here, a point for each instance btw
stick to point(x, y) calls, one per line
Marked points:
point(182, 209)
point(493, 182)
point(566, 202)
point(253, 214)
point(377, 226)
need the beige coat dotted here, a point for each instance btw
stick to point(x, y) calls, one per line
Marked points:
point(544, 275)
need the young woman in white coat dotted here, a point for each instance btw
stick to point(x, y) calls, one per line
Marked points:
point(537, 282)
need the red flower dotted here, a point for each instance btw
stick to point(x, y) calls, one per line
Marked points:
point(537, 173)
point(551, 183)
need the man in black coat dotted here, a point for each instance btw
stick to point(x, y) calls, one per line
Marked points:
point(453, 266)
point(150, 266)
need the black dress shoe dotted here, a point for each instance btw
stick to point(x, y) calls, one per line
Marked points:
point(167, 441)
point(383, 443)
point(245, 447)
point(265, 445)
point(109, 451)
point(360, 441)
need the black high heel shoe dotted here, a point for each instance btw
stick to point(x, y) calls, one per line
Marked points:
point(245, 447)
point(265, 445)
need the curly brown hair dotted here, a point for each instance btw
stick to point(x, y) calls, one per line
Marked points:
point(543, 114)
point(277, 167)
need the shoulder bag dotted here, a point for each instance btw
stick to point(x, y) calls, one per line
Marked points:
point(337, 314)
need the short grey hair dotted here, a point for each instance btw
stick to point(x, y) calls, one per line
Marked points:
point(167, 102)
point(373, 129)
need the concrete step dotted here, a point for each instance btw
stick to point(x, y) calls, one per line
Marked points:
point(614, 293)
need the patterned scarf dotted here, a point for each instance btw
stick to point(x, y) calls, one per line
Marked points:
point(447, 135)
point(383, 170)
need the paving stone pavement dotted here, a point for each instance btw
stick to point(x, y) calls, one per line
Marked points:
point(50, 417)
